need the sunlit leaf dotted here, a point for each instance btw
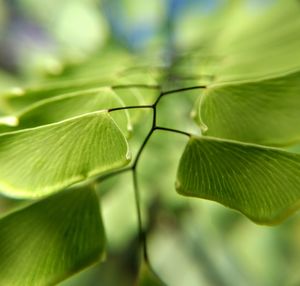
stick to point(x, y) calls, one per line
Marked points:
point(261, 182)
point(51, 239)
point(264, 112)
point(131, 97)
point(69, 105)
point(137, 96)
point(42, 160)
point(259, 41)
point(18, 98)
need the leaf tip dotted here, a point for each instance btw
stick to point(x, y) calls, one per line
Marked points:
point(203, 127)
point(129, 127)
point(9, 120)
point(178, 186)
point(17, 91)
point(193, 114)
point(128, 156)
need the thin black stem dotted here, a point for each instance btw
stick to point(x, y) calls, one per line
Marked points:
point(184, 89)
point(154, 118)
point(130, 107)
point(173, 130)
point(139, 153)
point(141, 231)
point(133, 166)
point(142, 234)
point(162, 94)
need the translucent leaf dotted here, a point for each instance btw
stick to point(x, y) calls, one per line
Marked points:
point(264, 112)
point(38, 161)
point(245, 41)
point(51, 239)
point(18, 98)
point(69, 105)
point(134, 97)
point(261, 182)
point(259, 41)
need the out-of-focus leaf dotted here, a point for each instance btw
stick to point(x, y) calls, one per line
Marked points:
point(69, 105)
point(6, 81)
point(264, 112)
point(247, 42)
point(17, 98)
point(132, 97)
point(51, 239)
point(108, 61)
point(84, 36)
point(142, 75)
point(137, 96)
point(75, 38)
point(261, 182)
point(263, 45)
point(38, 161)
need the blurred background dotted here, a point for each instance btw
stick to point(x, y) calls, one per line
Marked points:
point(191, 241)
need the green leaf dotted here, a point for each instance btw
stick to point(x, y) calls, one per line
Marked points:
point(18, 98)
point(245, 41)
point(263, 183)
point(69, 105)
point(51, 239)
point(264, 112)
point(38, 161)
point(135, 97)
point(255, 44)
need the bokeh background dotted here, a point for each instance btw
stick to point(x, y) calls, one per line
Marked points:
point(191, 241)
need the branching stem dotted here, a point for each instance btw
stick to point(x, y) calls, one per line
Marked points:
point(162, 94)
point(130, 107)
point(172, 130)
point(142, 233)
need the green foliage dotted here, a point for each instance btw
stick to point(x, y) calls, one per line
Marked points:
point(244, 43)
point(264, 112)
point(42, 160)
point(261, 182)
point(83, 126)
point(67, 106)
point(44, 248)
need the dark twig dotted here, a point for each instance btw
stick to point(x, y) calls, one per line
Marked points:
point(142, 233)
